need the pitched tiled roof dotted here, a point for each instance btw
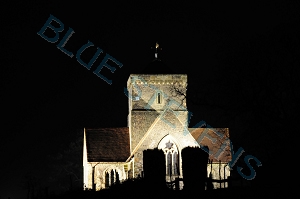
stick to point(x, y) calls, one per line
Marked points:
point(218, 143)
point(107, 144)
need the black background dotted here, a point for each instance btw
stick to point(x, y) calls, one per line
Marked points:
point(242, 62)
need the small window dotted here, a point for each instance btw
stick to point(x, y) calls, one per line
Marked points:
point(158, 98)
point(112, 177)
point(106, 179)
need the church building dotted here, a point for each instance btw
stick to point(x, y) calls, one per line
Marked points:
point(158, 118)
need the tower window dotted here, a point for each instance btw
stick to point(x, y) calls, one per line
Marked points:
point(158, 98)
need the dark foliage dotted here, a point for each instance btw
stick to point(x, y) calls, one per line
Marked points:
point(194, 168)
point(154, 166)
point(135, 188)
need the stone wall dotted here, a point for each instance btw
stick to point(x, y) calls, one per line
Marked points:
point(159, 130)
point(217, 171)
point(149, 122)
point(141, 121)
point(99, 173)
point(145, 87)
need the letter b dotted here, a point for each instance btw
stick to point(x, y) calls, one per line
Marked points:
point(56, 30)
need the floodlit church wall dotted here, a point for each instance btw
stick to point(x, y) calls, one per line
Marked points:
point(140, 123)
point(161, 129)
point(145, 88)
point(157, 97)
point(217, 171)
point(155, 116)
point(138, 162)
point(87, 181)
point(99, 174)
point(183, 118)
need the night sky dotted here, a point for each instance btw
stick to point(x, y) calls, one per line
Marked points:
point(242, 62)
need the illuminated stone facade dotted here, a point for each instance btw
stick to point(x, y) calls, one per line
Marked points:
point(158, 118)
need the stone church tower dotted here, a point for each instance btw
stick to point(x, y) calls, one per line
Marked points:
point(158, 118)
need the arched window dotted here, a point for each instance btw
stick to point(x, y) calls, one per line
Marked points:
point(171, 154)
point(106, 179)
point(112, 177)
point(176, 164)
point(169, 163)
point(117, 177)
